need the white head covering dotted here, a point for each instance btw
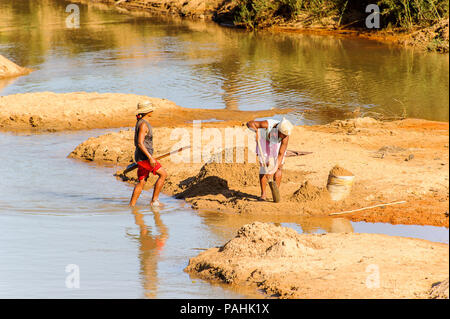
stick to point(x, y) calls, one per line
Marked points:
point(285, 127)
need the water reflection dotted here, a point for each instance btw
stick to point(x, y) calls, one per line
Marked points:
point(325, 224)
point(199, 64)
point(150, 248)
point(225, 225)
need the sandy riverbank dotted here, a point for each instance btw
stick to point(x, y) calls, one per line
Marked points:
point(392, 161)
point(9, 69)
point(51, 112)
point(285, 264)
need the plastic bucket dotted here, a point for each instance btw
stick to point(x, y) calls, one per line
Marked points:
point(339, 187)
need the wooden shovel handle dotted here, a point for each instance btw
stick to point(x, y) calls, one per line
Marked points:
point(174, 152)
point(133, 166)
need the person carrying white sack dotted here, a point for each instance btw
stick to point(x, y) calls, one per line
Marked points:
point(273, 137)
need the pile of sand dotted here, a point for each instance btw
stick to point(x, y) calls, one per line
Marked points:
point(217, 178)
point(263, 240)
point(203, 186)
point(10, 69)
point(236, 174)
point(226, 179)
point(309, 192)
point(285, 264)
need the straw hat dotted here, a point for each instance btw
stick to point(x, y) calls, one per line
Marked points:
point(285, 127)
point(145, 107)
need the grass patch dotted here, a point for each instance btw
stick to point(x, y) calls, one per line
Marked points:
point(406, 14)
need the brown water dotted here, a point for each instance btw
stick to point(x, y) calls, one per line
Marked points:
point(200, 64)
point(55, 211)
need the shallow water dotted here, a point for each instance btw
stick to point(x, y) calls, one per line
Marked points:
point(55, 211)
point(200, 64)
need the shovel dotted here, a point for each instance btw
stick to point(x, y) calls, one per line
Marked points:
point(133, 166)
point(273, 186)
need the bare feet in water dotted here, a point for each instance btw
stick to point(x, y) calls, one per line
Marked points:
point(156, 203)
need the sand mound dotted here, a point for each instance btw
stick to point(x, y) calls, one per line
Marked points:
point(217, 178)
point(223, 165)
point(286, 264)
point(309, 192)
point(227, 179)
point(262, 239)
point(440, 290)
point(340, 171)
point(236, 174)
point(10, 69)
point(240, 174)
point(197, 187)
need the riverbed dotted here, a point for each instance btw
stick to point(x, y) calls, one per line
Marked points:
point(57, 212)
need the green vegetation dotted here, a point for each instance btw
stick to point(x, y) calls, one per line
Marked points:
point(405, 14)
point(262, 13)
point(436, 45)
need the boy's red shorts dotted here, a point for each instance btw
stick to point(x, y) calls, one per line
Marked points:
point(144, 169)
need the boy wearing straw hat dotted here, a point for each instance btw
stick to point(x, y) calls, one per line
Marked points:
point(273, 137)
point(143, 141)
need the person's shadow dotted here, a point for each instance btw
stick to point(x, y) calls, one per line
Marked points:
point(150, 247)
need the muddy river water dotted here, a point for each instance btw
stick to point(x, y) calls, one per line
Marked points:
point(62, 219)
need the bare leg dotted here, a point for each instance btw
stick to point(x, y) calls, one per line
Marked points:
point(277, 177)
point(263, 184)
point(137, 192)
point(159, 184)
